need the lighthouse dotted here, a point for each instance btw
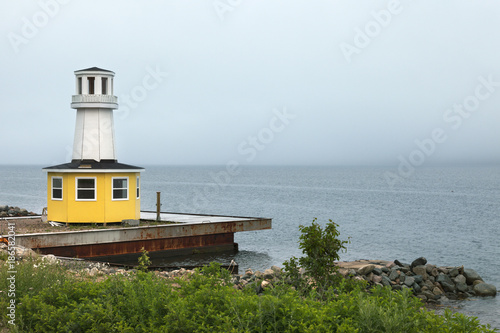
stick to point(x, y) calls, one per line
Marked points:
point(93, 187)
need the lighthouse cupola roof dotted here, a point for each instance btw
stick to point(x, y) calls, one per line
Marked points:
point(94, 88)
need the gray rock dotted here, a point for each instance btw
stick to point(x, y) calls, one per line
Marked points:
point(471, 275)
point(394, 275)
point(405, 269)
point(485, 289)
point(443, 270)
point(385, 269)
point(460, 279)
point(386, 281)
point(377, 271)
point(462, 287)
point(365, 270)
point(443, 278)
point(409, 281)
point(454, 272)
point(446, 282)
point(416, 288)
point(428, 294)
point(422, 297)
point(419, 262)
point(399, 263)
point(420, 270)
point(429, 268)
point(418, 278)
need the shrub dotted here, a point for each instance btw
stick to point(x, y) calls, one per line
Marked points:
point(321, 248)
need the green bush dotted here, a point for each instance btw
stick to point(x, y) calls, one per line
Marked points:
point(322, 249)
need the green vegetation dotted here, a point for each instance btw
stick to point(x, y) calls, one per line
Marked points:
point(144, 261)
point(53, 299)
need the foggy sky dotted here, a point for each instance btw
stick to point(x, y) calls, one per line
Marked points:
point(258, 82)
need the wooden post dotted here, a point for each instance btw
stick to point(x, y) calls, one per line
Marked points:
point(158, 205)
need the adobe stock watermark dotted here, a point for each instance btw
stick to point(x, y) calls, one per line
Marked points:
point(31, 26)
point(153, 78)
point(371, 30)
point(222, 7)
point(453, 117)
point(11, 273)
point(248, 150)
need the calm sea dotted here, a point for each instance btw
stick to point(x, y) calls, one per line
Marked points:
point(450, 215)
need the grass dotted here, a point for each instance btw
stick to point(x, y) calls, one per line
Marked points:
point(53, 298)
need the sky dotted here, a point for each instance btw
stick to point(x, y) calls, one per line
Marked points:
point(258, 82)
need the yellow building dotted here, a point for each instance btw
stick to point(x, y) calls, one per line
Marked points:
point(93, 187)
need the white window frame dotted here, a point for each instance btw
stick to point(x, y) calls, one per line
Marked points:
point(95, 188)
point(52, 188)
point(138, 188)
point(121, 188)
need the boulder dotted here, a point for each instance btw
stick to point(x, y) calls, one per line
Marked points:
point(377, 271)
point(437, 291)
point(268, 274)
point(461, 286)
point(377, 278)
point(485, 289)
point(394, 275)
point(471, 275)
point(419, 262)
point(409, 281)
point(429, 268)
point(420, 270)
point(454, 272)
point(418, 278)
point(265, 284)
point(460, 279)
point(276, 270)
point(386, 281)
point(416, 288)
point(365, 270)
point(400, 264)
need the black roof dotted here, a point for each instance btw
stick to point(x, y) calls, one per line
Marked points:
point(93, 165)
point(94, 69)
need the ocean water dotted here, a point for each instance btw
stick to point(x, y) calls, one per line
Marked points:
point(449, 215)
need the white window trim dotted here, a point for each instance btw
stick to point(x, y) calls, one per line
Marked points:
point(52, 188)
point(112, 189)
point(95, 188)
point(138, 187)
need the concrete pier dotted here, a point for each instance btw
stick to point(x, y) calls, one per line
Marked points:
point(176, 234)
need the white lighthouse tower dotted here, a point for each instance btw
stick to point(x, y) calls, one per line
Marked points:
point(95, 102)
point(93, 187)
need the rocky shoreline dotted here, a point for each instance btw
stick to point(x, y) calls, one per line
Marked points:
point(432, 284)
point(10, 211)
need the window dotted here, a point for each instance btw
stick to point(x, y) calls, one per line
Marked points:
point(120, 188)
point(85, 189)
point(91, 80)
point(104, 85)
point(138, 188)
point(79, 86)
point(57, 188)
